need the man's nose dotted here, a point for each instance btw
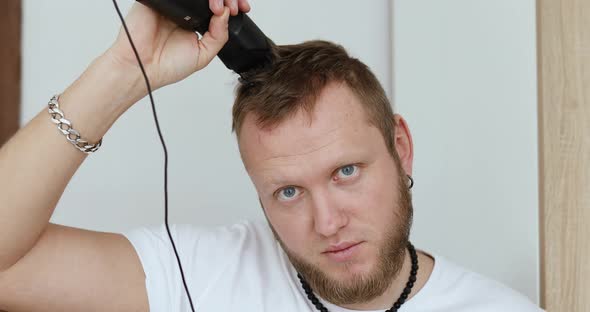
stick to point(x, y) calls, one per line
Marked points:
point(328, 215)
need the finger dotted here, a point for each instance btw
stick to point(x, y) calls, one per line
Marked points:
point(216, 6)
point(244, 6)
point(233, 6)
point(215, 38)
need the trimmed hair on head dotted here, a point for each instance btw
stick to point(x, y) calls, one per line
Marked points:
point(295, 79)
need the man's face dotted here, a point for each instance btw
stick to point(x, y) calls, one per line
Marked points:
point(334, 196)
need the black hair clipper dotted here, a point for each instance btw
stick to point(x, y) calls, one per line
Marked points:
point(247, 47)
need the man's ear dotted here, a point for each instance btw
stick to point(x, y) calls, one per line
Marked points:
point(403, 143)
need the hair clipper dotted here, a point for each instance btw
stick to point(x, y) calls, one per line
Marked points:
point(247, 47)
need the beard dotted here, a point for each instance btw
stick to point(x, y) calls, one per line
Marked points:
point(362, 288)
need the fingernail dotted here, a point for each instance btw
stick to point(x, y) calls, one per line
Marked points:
point(220, 3)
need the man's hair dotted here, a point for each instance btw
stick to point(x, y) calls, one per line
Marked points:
point(296, 78)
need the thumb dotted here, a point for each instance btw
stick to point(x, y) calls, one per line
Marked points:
point(214, 39)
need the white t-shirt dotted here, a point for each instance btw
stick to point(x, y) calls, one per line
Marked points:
point(243, 268)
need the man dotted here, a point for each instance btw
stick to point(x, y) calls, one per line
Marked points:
point(331, 164)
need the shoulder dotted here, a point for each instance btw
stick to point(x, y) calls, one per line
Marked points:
point(210, 257)
point(453, 286)
point(191, 238)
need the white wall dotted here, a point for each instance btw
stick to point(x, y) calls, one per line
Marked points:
point(464, 78)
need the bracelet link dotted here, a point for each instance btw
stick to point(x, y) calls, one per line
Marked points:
point(65, 127)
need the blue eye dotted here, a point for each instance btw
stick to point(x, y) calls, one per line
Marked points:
point(288, 193)
point(347, 171)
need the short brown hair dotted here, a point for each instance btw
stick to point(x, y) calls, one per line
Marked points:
point(296, 78)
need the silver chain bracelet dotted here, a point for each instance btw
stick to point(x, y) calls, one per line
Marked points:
point(65, 127)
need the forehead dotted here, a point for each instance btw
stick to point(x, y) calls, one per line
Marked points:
point(338, 120)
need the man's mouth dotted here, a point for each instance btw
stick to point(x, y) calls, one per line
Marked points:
point(342, 252)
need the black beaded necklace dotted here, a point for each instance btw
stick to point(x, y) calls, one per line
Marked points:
point(402, 298)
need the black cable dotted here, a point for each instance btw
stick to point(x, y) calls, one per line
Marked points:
point(147, 82)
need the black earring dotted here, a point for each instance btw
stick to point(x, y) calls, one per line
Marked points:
point(411, 181)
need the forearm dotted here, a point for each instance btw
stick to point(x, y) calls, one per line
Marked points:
point(38, 162)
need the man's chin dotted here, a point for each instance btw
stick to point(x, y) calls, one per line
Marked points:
point(346, 285)
point(348, 272)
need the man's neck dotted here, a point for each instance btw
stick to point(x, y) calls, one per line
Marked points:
point(386, 300)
